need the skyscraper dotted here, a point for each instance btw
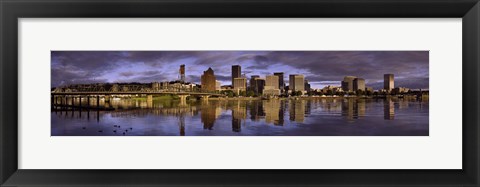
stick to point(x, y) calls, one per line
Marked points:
point(281, 83)
point(260, 86)
point(307, 86)
point(271, 85)
point(358, 84)
point(388, 82)
point(240, 84)
point(296, 83)
point(182, 73)
point(208, 80)
point(291, 82)
point(271, 82)
point(236, 72)
point(218, 85)
point(253, 82)
point(347, 83)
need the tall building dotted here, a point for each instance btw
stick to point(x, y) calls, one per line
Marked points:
point(271, 85)
point(155, 86)
point(218, 85)
point(253, 82)
point(208, 80)
point(240, 84)
point(281, 83)
point(400, 90)
point(347, 83)
point(358, 84)
point(236, 72)
point(182, 73)
point(388, 82)
point(307, 86)
point(259, 86)
point(271, 82)
point(296, 83)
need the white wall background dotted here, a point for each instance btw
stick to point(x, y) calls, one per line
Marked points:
point(441, 150)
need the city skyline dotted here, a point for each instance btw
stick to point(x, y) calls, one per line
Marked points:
point(320, 68)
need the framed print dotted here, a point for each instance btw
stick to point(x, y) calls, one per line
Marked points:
point(201, 85)
point(314, 93)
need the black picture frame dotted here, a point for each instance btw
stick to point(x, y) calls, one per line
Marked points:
point(12, 10)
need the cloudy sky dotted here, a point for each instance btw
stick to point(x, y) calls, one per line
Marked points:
point(320, 68)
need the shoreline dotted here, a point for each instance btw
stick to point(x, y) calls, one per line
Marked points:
point(172, 98)
point(319, 97)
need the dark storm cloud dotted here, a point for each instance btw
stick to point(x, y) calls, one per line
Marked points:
point(257, 59)
point(127, 74)
point(150, 78)
point(81, 67)
point(194, 78)
point(215, 58)
point(410, 67)
point(143, 78)
point(94, 61)
point(152, 72)
point(223, 77)
point(158, 58)
point(258, 67)
point(414, 82)
point(371, 65)
point(61, 77)
point(88, 66)
point(367, 64)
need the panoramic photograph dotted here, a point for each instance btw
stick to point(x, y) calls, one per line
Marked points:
point(239, 93)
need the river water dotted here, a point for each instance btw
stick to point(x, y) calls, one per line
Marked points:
point(276, 117)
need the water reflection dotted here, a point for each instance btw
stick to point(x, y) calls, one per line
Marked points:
point(353, 108)
point(274, 112)
point(388, 109)
point(208, 116)
point(297, 110)
point(305, 117)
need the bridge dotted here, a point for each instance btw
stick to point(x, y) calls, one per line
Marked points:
point(60, 98)
point(148, 93)
point(139, 93)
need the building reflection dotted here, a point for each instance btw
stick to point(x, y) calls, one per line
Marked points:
point(208, 115)
point(256, 111)
point(403, 103)
point(297, 110)
point(308, 106)
point(359, 108)
point(274, 110)
point(353, 108)
point(348, 108)
point(236, 124)
point(281, 113)
point(268, 112)
point(239, 114)
point(330, 105)
point(181, 124)
point(388, 109)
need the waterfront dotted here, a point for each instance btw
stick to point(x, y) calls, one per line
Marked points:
point(390, 116)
